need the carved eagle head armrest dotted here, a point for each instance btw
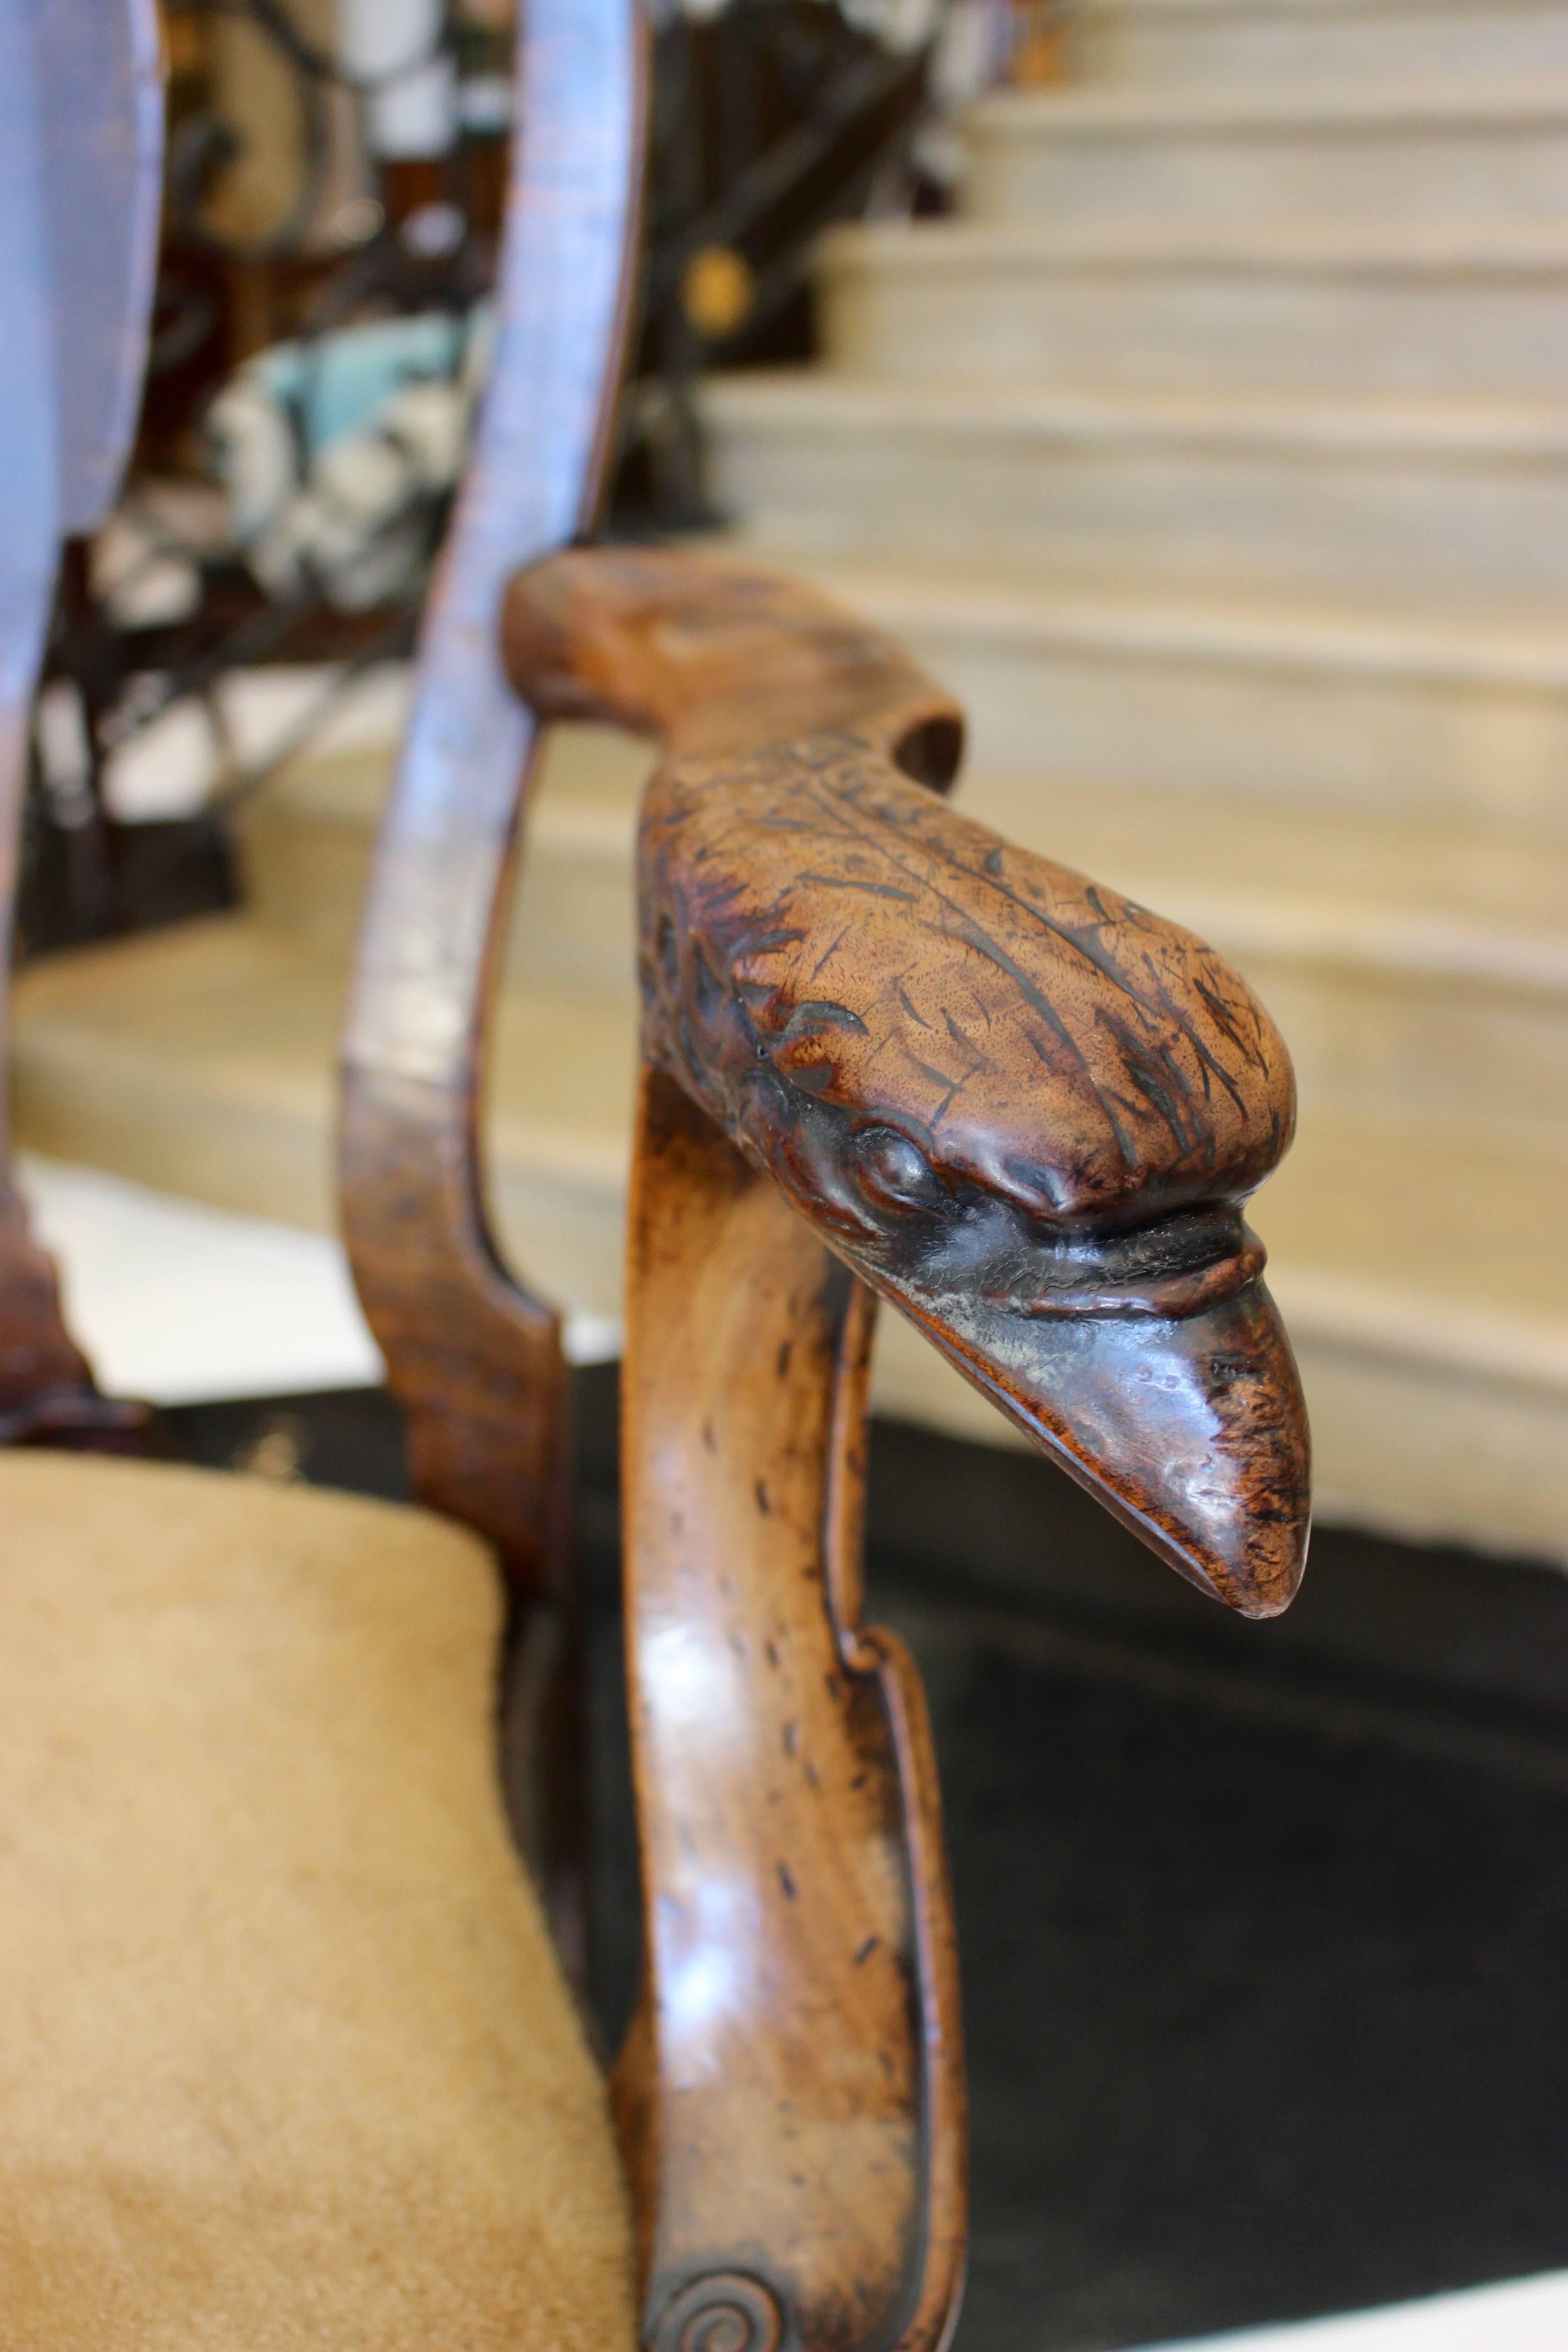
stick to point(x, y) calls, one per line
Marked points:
point(1024, 1108)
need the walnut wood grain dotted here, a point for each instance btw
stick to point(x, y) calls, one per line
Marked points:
point(796, 2131)
point(474, 1356)
point(1024, 1108)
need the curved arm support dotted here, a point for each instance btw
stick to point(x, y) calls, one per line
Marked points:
point(474, 1359)
point(791, 2095)
point(1025, 1112)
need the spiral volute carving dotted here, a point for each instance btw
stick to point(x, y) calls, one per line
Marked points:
point(724, 2311)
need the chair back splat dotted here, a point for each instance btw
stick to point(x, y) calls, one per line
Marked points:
point(475, 1359)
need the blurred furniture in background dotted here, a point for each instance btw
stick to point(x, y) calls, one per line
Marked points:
point(302, 2057)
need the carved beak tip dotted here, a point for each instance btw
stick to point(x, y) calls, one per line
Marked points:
point(1192, 1430)
point(1202, 1441)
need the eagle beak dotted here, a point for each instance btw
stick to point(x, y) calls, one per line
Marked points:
point(1190, 1428)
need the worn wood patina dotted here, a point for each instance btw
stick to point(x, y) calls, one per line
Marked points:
point(886, 1055)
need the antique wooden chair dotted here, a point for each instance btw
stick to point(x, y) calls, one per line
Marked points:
point(290, 2057)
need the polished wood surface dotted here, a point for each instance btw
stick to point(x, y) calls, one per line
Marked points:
point(795, 2133)
point(1024, 1108)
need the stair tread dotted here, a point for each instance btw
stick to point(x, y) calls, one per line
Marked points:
point(1272, 631)
point(1302, 8)
point(1408, 894)
point(1470, 1236)
point(251, 1016)
point(1526, 245)
point(1418, 891)
point(1372, 102)
point(1376, 424)
point(1369, 102)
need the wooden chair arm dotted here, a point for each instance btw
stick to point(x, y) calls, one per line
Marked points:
point(795, 2138)
point(1024, 1108)
point(713, 657)
point(473, 1356)
point(879, 1039)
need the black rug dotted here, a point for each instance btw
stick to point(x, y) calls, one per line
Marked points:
point(1263, 1929)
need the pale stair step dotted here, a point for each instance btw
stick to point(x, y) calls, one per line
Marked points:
point(1389, 148)
point(1453, 308)
point(201, 1059)
point(1333, 709)
point(305, 842)
point(1205, 42)
point(1330, 708)
point(1437, 505)
point(1427, 1295)
point(1427, 1288)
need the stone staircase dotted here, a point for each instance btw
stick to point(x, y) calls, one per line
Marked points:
point(1218, 455)
point(1218, 458)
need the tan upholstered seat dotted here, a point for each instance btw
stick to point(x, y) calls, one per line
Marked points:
point(286, 2060)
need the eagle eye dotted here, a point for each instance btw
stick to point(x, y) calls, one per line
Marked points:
point(896, 1170)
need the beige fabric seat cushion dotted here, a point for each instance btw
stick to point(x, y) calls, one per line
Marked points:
point(285, 2059)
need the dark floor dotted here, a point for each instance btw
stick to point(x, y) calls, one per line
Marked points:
point(1263, 1928)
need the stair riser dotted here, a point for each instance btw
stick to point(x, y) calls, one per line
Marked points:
point(1172, 324)
point(1095, 714)
point(565, 1229)
point(1390, 173)
point(1281, 38)
point(1450, 1057)
point(1096, 720)
point(1458, 535)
